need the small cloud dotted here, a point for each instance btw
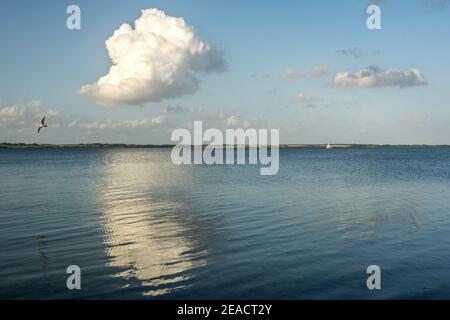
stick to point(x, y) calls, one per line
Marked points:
point(433, 3)
point(291, 74)
point(418, 120)
point(374, 77)
point(271, 91)
point(307, 102)
point(72, 123)
point(260, 76)
point(299, 98)
point(348, 103)
point(319, 71)
point(354, 52)
point(376, 2)
point(167, 118)
point(233, 121)
point(438, 3)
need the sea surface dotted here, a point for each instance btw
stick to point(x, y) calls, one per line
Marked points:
point(140, 227)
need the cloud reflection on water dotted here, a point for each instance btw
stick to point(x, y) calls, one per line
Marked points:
point(142, 230)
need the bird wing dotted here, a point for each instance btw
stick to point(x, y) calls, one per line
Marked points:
point(43, 120)
point(39, 129)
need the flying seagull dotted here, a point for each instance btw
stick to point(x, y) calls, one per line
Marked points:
point(42, 125)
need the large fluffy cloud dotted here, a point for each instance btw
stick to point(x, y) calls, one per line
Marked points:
point(158, 59)
point(373, 77)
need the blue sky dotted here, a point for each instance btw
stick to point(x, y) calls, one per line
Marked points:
point(43, 66)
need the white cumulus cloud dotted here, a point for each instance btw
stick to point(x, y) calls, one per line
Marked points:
point(319, 71)
point(26, 115)
point(291, 74)
point(167, 118)
point(159, 58)
point(306, 101)
point(373, 77)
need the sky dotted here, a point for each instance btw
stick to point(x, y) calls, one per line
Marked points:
point(137, 70)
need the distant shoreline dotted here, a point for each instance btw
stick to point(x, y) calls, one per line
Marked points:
point(6, 145)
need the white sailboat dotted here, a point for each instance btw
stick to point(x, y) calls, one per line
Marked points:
point(329, 146)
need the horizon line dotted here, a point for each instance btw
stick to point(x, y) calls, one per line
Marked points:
point(281, 145)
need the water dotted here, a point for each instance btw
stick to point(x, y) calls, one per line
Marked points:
point(140, 227)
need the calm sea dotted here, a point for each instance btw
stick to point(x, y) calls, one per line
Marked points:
point(140, 227)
